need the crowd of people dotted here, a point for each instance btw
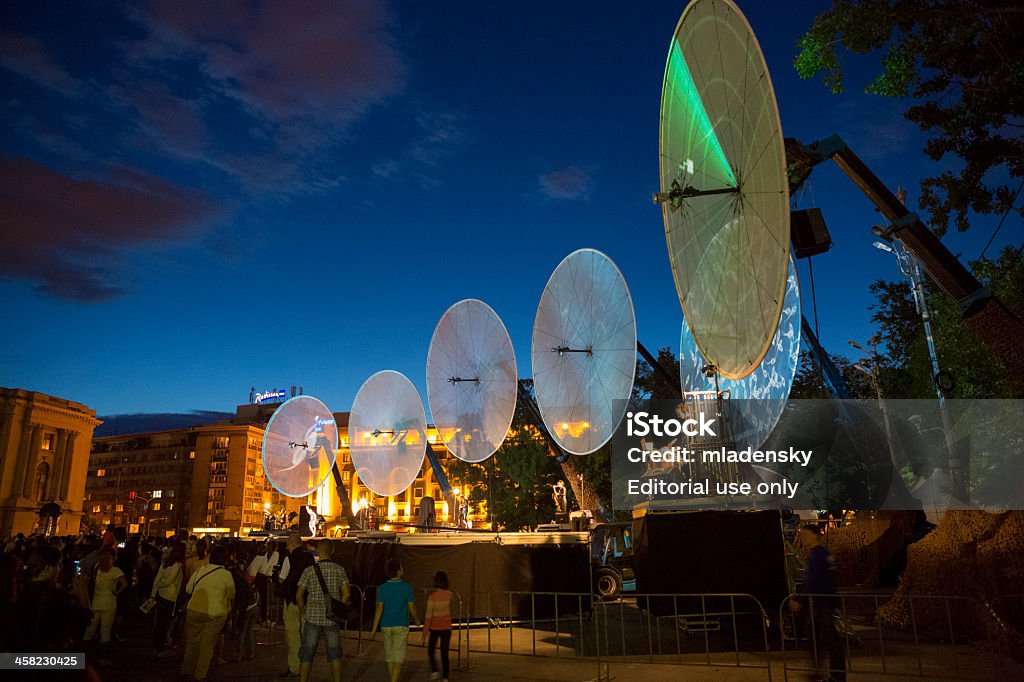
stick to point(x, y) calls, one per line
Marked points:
point(205, 597)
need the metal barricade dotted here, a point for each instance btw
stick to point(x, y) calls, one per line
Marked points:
point(930, 642)
point(534, 622)
point(710, 629)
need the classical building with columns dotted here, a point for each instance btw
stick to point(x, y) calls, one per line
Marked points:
point(44, 456)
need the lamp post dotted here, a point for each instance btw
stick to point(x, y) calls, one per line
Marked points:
point(911, 269)
point(872, 371)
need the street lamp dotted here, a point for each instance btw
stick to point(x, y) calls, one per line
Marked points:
point(911, 269)
point(871, 370)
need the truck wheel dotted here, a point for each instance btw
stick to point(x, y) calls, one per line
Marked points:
point(607, 583)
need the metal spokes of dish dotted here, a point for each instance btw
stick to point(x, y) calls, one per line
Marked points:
point(299, 446)
point(471, 380)
point(387, 433)
point(584, 351)
point(724, 193)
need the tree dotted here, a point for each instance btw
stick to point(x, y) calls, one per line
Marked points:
point(516, 481)
point(975, 372)
point(650, 383)
point(962, 62)
point(809, 384)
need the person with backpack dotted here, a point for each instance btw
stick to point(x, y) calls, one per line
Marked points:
point(318, 585)
point(297, 561)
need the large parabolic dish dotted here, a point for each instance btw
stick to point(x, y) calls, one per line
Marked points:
point(760, 397)
point(387, 433)
point(471, 380)
point(584, 351)
point(299, 446)
point(724, 192)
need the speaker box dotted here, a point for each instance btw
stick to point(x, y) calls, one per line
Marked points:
point(808, 232)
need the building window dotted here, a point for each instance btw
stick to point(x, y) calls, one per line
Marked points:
point(119, 508)
point(347, 476)
point(95, 509)
point(100, 473)
point(417, 493)
point(47, 441)
point(192, 454)
point(171, 506)
point(157, 493)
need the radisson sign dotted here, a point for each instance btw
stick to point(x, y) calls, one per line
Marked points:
point(266, 396)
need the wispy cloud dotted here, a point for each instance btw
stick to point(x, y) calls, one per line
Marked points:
point(66, 234)
point(571, 182)
point(439, 135)
point(251, 98)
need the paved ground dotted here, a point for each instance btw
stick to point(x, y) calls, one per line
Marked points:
point(364, 663)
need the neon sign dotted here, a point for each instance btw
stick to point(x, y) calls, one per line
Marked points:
point(257, 398)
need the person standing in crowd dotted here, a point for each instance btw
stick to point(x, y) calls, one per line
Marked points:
point(255, 572)
point(166, 588)
point(108, 583)
point(211, 588)
point(396, 607)
point(437, 624)
point(317, 585)
point(246, 610)
point(146, 567)
point(820, 583)
point(197, 560)
point(297, 561)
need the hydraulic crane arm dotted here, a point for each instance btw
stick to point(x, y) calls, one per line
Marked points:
point(998, 327)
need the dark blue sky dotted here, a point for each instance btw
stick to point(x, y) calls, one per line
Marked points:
point(197, 201)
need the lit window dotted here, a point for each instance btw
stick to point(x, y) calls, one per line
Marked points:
point(156, 506)
point(100, 473)
point(157, 493)
point(347, 476)
point(119, 508)
point(171, 506)
point(47, 441)
point(170, 493)
point(95, 509)
point(192, 454)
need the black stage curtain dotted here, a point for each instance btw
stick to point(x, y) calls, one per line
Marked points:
point(481, 573)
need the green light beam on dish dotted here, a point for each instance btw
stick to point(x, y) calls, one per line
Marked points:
point(680, 79)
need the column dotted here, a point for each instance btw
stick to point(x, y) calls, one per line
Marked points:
point(53, 483)
point(69, 463)
point(32, 460)
point(22, 457)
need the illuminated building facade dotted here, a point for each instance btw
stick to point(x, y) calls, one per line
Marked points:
point(212, 477)
point(44, 454)
point(403, 507)
point(199, 477)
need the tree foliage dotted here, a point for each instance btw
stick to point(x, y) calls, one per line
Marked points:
point(974, 370)
point(962, 62)
point(516, 481)
point(652, 384)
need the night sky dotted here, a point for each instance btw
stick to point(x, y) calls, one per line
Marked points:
point(196, 199)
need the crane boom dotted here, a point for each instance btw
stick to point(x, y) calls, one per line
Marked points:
point(997, 326)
